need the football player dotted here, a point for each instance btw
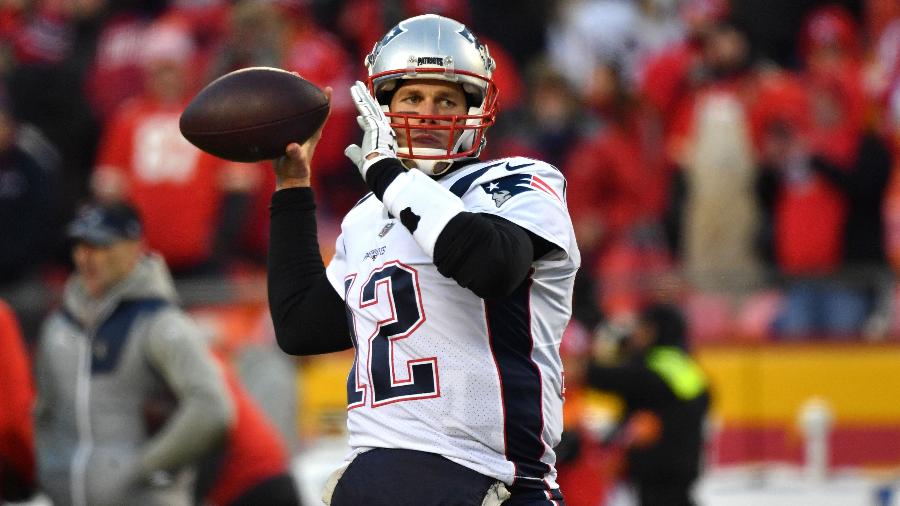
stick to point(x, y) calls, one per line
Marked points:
point(452, 280)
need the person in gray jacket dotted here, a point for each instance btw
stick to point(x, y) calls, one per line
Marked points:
point(117, 346)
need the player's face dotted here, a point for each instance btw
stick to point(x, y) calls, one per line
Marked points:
point(102, 267)
point(428, 97)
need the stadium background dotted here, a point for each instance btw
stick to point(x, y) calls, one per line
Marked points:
point(69, 65)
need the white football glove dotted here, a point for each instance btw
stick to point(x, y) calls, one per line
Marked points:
point(378, 136)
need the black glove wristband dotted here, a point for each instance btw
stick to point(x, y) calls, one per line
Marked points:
point(382, 173)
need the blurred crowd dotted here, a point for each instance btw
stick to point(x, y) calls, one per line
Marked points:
point(735, 162)
point(734, 158)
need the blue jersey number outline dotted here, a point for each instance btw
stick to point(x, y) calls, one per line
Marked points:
point(400, 284)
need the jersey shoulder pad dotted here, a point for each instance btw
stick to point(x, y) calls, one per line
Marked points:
point(363, 199)
point(362, 211)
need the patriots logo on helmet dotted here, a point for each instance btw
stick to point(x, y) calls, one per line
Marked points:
point(503, 189)
point(393, 33)
point(469, 36)
point(480, 46)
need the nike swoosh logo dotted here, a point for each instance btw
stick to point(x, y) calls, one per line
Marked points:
point(462, 186)
point(516, 167)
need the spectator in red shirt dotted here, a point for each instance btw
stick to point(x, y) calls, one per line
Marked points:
point(611, 180)
point(284, 34)
point(715, 152)
point(812, 200)
point(17, 464)
point(143, 158)
point(670, 75)
point(825, 184)
point(115, 73)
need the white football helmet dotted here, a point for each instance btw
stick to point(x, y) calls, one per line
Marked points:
point(435, 47)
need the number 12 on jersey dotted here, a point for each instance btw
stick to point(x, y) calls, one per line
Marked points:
point(392, 288)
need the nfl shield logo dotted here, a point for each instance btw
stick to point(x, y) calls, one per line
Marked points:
point(387, 228)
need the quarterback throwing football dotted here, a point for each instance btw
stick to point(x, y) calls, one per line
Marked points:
point(452, 280)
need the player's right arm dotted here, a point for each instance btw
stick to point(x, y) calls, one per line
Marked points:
point(308, 315)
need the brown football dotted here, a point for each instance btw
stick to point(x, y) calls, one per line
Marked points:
point(251, 114)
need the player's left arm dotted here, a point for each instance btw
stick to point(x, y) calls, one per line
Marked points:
point(485, 253)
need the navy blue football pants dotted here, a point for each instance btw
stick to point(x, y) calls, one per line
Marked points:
point(392, 477)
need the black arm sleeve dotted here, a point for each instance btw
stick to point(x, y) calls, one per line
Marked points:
point(307, 312)
point(381, 174)
point(487, 254)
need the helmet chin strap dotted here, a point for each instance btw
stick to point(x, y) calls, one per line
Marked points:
point(430, 167)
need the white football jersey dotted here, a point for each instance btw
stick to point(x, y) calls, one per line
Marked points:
point(439, 369)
